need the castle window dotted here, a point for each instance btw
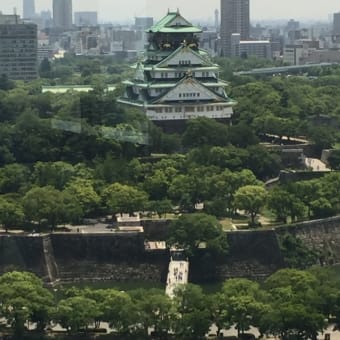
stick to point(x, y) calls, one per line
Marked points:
point(185, 62)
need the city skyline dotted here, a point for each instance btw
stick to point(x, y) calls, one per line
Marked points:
point(259, 9)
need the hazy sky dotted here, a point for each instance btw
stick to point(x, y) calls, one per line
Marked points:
point(123, 10)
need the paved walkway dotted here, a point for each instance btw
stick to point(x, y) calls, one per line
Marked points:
point(177, 275)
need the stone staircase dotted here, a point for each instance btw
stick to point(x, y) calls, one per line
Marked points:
point(178, 273)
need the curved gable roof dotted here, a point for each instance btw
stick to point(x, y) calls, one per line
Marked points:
point(173, 22)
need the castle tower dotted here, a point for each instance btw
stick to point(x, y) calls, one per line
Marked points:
point(176, 80)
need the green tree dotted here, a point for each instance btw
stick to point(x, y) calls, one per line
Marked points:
point(223, 186)
point(44, 203)
point(13, 178)
point(192, 305)
point(199, 133)
point(161, 208)
point(322, 208)
point(83, 192)
point(307, 192)
point(23, 298)
point(120, 198)
point(11, 214)
point(157, 185)
point(293, 298)
point(73, 211)
point(192, 231)
point(243, 301)
point(219, 312)
point(76, 313)
point(285, 204)
point(327, 291)
point(334, 160)
point(155, 310)
point(120, 312)
point(56, 174)
point(322, 137)
point(229, 157)
point(187, 190)
point(250, 198)
point(45, 70)
point(262, 162)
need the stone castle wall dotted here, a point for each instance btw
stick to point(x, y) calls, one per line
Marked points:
point(122, 256)
point(320, 235)
point(22, 253)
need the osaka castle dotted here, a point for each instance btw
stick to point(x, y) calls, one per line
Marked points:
point(176, 80)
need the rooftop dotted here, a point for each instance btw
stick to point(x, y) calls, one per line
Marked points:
point(173, 22)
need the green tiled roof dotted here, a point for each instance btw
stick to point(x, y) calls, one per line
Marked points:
point(165, 25)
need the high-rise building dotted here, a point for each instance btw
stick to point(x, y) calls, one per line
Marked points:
point(46, 18)
point(142, 23)
point(217, 22)
point(18, 48)
point(28, 9)
point(235, 18)
point(177, 80)
point(336, 23)
point(292, 25)
point(86, 19)
point(62, 14)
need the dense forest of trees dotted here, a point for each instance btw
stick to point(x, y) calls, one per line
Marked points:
point(64, 157)
point(292, 304)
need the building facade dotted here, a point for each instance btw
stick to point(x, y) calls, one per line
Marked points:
point(18, 49)
point(143, 23)
point(62, 14)
point(235, 18)
point(176, 80)
point(250, 48)
point(86, 19)
point(336, 24)
point(28, 9)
